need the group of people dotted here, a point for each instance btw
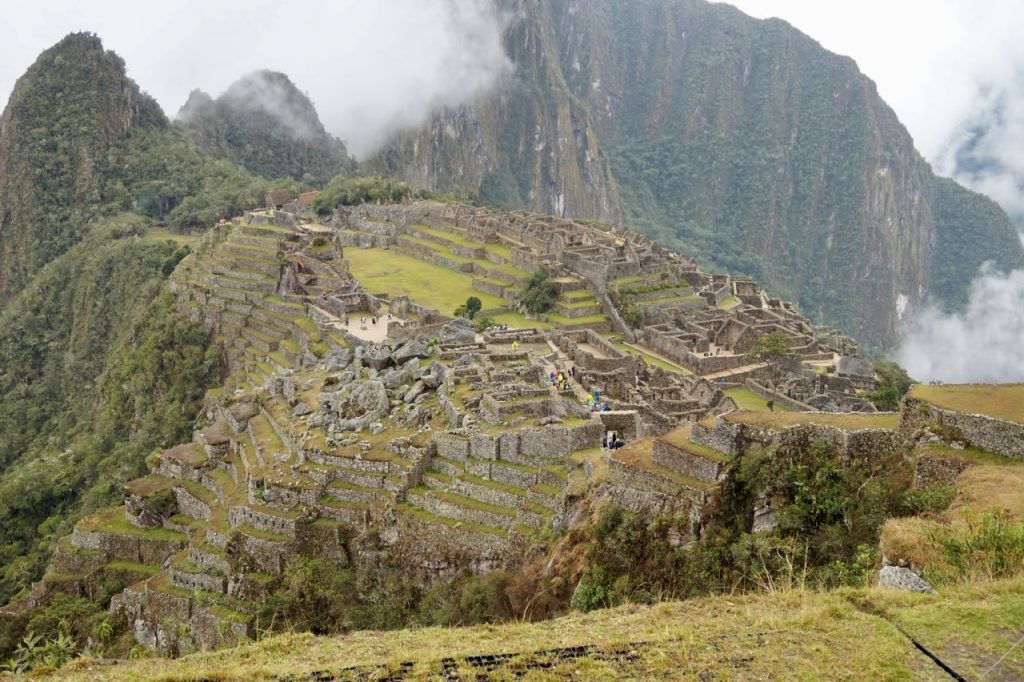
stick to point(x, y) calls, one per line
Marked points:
point(363, 318)
point(561, 379)
point(595, 404)
point(612, 441)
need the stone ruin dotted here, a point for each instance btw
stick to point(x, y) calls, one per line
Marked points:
point(449, 448)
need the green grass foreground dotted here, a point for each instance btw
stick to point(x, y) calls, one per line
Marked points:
point(791, 634)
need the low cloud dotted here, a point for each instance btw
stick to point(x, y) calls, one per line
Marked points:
point(986, 151)
point(983, 343)
point(370, 68)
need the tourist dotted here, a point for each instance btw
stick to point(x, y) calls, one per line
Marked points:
point(515, 346)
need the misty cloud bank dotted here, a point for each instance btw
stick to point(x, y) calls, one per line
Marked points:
point(986, 152)
point(984, 343)
point(370, 67)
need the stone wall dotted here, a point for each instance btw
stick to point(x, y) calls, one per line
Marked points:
point(779, 398)
point(929, 471)
point(988, 433)
point(687, 463)
point(626, 476)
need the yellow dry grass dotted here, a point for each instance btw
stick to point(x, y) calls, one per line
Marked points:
point(1003, 401)
point(849, 421)
point(842, 635)
point(980, 489)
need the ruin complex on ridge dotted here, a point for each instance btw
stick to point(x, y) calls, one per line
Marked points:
point(356, 421)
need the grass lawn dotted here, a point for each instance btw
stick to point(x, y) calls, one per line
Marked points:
point(648, 358)
point(1003, 401)
point(849, 421)
point(520, 321)
point(160, 234)
point(386, 271)
point(748, 400)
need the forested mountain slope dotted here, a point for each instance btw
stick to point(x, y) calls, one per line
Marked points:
point(95, 368)
point(267, 125)
point(741, 141)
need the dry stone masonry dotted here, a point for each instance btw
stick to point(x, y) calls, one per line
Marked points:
point(451, 448)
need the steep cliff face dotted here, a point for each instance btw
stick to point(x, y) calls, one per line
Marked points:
point(531, 144)
point(739, 140)
point(71, 105)
point(267, 125)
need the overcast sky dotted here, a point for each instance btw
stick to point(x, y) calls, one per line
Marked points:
point(370, 66)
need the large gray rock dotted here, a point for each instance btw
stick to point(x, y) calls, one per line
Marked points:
point(354, 408)
point(903, 579)
point(415, 391)
point(337, 358)
point(410, 350)
point(459, 330)
point(377, 355)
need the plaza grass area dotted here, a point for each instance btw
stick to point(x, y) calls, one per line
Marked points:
point(849, 421)
point(1002, 401)
point(848, 634)
point(746, 399)
point(386, 271)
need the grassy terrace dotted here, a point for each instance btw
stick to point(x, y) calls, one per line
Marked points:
point(795, 634)
point(638, 455)
point(461, 240)
point(424, 515)
point(648, 358)
point(680, 438)
point(520, 321)
point(386, 271)
point(1002, 401)
point(847, 421)
point(113, 521)
point(746, 399)
point(971, 455)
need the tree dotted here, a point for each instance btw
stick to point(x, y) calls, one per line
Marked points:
point(893, 384)
point(772, 348)
point(473, 306)
point(540, 293)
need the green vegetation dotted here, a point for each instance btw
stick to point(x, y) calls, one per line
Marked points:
point(470, 308)
point(746, 399)
point(347, 191)
point(971, 230)
point(539, 294)
point(97, 370)
point(893, 385)
point(384, 271)
point(282, 140)
point(1003, 401)
point(979, 535)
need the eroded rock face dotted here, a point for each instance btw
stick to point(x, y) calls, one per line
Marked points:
point(354, 408)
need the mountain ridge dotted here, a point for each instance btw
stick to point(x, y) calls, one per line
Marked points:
point(741, 141)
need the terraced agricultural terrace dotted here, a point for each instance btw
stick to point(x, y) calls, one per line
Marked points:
point(359, 416)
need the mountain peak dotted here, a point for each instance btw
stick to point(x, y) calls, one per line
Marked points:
point(267, 124)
